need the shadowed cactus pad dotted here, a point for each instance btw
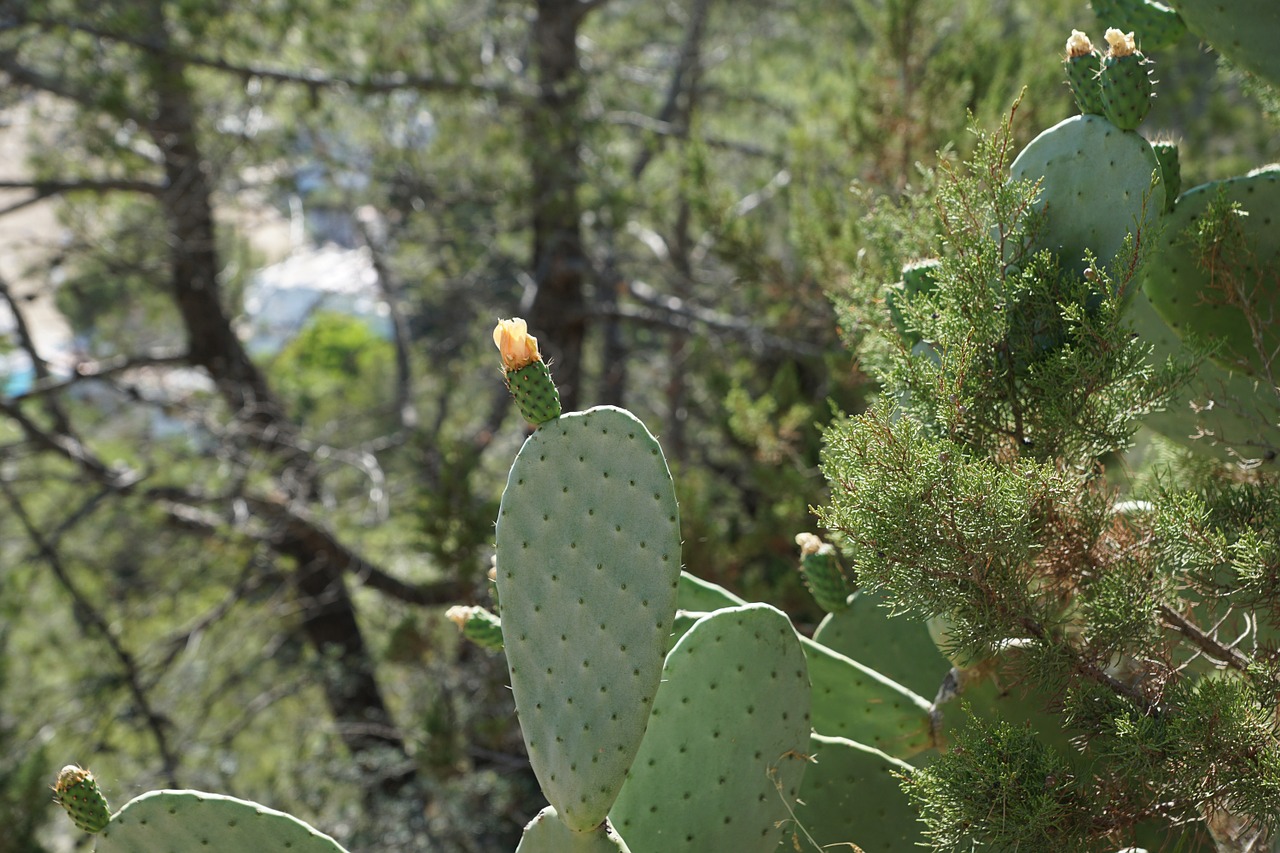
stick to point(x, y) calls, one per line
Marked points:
point(180, 821)
point(588, 543)
point(722, 760)
point(77, 792)
point(851, 795)
point(1082, 65)
point(1125, 82)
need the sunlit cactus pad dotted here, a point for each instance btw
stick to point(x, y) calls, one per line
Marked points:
point(722, 760)
point(895, 646)
point(546, 833)
point(180, 821)
point(588, 545)
point(1097, 188)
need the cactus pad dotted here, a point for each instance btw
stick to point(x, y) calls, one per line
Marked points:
point(546, 833)
point(852, 700)
point(895, 646)
point(77, 792)
point(1243, 31)
point(1097, 188)
point(694, 593)
point(1154, 25)
point(1082, 65)
point(722, 761)
point(823, 574)
point(1125, 82)
point(1208, 287)
point(588, 544)
point(1170, 171)
point(534, 392)
point(210, 823)
point(851, 795)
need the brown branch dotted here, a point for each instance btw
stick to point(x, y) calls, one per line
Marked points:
point(47, 189)
point(390, 291)
point(1233, 658)
point(104, 369)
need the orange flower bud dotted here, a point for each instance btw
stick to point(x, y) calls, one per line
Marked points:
point(518, 347)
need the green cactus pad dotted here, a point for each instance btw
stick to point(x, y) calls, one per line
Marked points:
point(479, 626)
point(722, 761)
point(177, 821)
point(77, 792)
point(1082, 78)
point(1154, 25)
point(851, 795)
point(546, 833)
point(898, 647)
point(694, 593)
point(1125, 84)
point(534, 392)
point(1243, 31)
point(917, 277)
point(588, 543)
point(1219, 413)
point(1097, 188)
point(1200, 290)
point(852, 700)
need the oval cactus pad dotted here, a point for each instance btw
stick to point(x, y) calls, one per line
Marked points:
point(1097, 188)
point(722, 762)
point(588, 542)
point(211, 823)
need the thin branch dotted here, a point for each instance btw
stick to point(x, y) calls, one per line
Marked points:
point(1233, 658)
point(105, 369)
point(678, 106)
point(72, 449)
point(313, 79)
point(47, 189)
point(390, 291)
point(85, 608)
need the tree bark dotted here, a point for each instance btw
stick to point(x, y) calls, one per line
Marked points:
point(329, 622)
point(553, 127)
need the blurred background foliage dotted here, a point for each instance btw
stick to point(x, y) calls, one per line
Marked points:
point(673, 188)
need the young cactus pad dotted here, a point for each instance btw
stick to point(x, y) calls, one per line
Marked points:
point(546, 833)
point(181, 821)
point(722, 762)
point(1097, 188)
point(1125, 82)
point(588, 544)
point(77, 792)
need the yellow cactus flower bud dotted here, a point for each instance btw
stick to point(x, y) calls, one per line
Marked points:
point(518, 347)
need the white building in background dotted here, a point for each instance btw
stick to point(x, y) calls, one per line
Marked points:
point(280, 299)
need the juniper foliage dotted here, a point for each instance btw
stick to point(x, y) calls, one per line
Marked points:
point(987, 491)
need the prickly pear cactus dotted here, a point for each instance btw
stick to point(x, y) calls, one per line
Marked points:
point(526, 374)
point(853, 700)
point(178, 821)
point(1221, 286)
point(723, 759)
point(851, 795)
point(77, 792)
point(588, 543)
point(823, 574)
point(694, 593)
point(1154, 25)
point(1125, 81)
point(478, 625)
point(1098, 188)
point(1082, 65)
point(1243, 31)
point(895, 646)
point(546, 833)
point(1170, 170)
point(918, 277)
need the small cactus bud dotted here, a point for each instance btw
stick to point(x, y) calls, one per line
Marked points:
point(527, 376)
point(1082, 66)
point(823, 573)
point(477, 625)
point(77, 792)
point(1125, 82)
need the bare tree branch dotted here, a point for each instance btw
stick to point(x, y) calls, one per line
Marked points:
point(42, 190)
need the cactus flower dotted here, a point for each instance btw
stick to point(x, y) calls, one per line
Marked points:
point(1078, 45)
point(518, 347)
point(1121, 43)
